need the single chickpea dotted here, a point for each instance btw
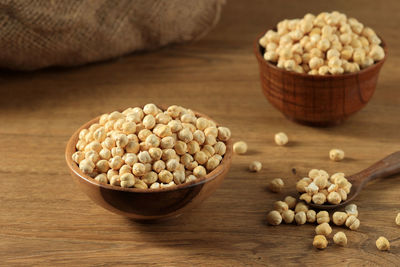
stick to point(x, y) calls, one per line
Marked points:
point(201, 157)
point(111, 173)
point(168, 154)
point(315, 63)
point(185, 135)
point(95, 146)
point(125, 169)
point(175, 126)
point(323, 217)
point(193, 147)
point(102, 165)
point(342, 193)
point(150, 178)
point(339, 218)
point(78, 156)
point(102, 178)
point(117, 151)
point(352, 222)
point(208, 150)
point(319, 198)
point(382, 243)
point(288, 216)
point(149, 121)
point(105, 154)
point(163, 118)
point(255, 166)
point(140, 184)
point(144, 157)
point(334, 198)
point(321, 181)
point(155, 185)
point(301, 186)
point(274, 218)
point(397, 220)
point(165, 176)
point(167, 142)
point(301, 206)
point(323, 229)
point(150, 109)
point(240, 147)
point(179, 177)
point(351, 209)
point(290, 201)
point(320, 242)
point(305, 197)
point(115, 180)
point(211, 131)
point(127, 180)
point(312, 188)
point(199, 136)
point(224, 133)
point(220, 148)
point(116, 162)
point(336, 154)
point(122, 140)
point(199, 171)
point(311, 216)
point(100, 134)
point(190, 178)
point(323, 70)
point(377, 53)
point(281, 206)
point(276, 185)
point(212, 163)
point(138, 169)
point(300, 217)
point(340, 239)
point(172, 165)
point(155, 153)
point(152, 140)
point(281, 139)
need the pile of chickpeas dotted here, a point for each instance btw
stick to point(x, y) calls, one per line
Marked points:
point(329, 43)
point(319, 188)
point(289, 211)
point(150, 148)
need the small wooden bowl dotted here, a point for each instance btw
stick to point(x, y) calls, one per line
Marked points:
point(317, 100)
point(147, 204)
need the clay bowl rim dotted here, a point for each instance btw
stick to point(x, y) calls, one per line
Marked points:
point(260, 58)
point(70, 149)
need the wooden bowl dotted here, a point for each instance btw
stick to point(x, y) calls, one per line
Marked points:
point(147, 204)
point(317, 100)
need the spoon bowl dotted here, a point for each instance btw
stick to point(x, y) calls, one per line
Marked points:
point(386, 167)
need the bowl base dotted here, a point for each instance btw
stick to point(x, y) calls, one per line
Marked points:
point(321, 124)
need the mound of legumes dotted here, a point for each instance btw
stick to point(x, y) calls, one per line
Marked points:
point(329, 43)
point(319, 188)
point(150, 147)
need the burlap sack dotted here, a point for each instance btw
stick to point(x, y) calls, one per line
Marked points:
point(42, 33)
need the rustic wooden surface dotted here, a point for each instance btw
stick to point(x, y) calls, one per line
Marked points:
point(47, 221)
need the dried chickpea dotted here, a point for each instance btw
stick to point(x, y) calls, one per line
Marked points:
point(165, 176)
point(351, 209)
point(382, 243)
point(150, 178)
point(305, 197)
point(185, 135)
point(125, 169)
point(339, 218)
point(274, 218)
point(352, 222)
point(276, 185)
point(311, 216)
point(281, 139)
point(320, 242)
point(199, 171)
point(301, 206)
point(397, 220)
point(323, 229)
point(301, 186)
point(340, 239)
point(280, 206)
point(220, 148)
point(201, 157)
point(127, 180)
point(290, 201)
point(212, 163)
point(300, 217)
point(155, 153)
point(319, 198)
point(323, 217)
point(78, 156)
point(138, 169)
point(255, 166)
point(288, 216)
point(334, 198)
point(240, 147)
point(336, 154)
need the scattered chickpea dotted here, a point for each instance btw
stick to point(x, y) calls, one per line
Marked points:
point(301, 206)
point(397, 220)
point(288, 216)
point(352, 222)
point(240, 147)
point(323, 217)
point(340, 239)
point(276, 185)
point(382, 243)
point(320, 242)
point(290, 201)
point(339, 218)
point(311, 216)
point(336, 154)
point(305, 197)
point(274, 218)
point(255, 166)
point(351, 209)
point(300, 217)
point(281, 139)
point(323, 229)
point(281, 206)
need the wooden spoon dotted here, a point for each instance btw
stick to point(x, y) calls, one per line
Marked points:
point(381, 169)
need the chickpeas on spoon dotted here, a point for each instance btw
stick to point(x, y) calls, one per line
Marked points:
point(386, 167)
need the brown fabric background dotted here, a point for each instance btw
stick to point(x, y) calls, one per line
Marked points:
point(41, 33)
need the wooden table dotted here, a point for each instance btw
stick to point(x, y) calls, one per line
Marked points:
point(47, 221)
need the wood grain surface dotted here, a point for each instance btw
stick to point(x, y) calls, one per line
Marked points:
point(47, 221)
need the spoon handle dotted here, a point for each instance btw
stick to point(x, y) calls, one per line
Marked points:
point(388, 166)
